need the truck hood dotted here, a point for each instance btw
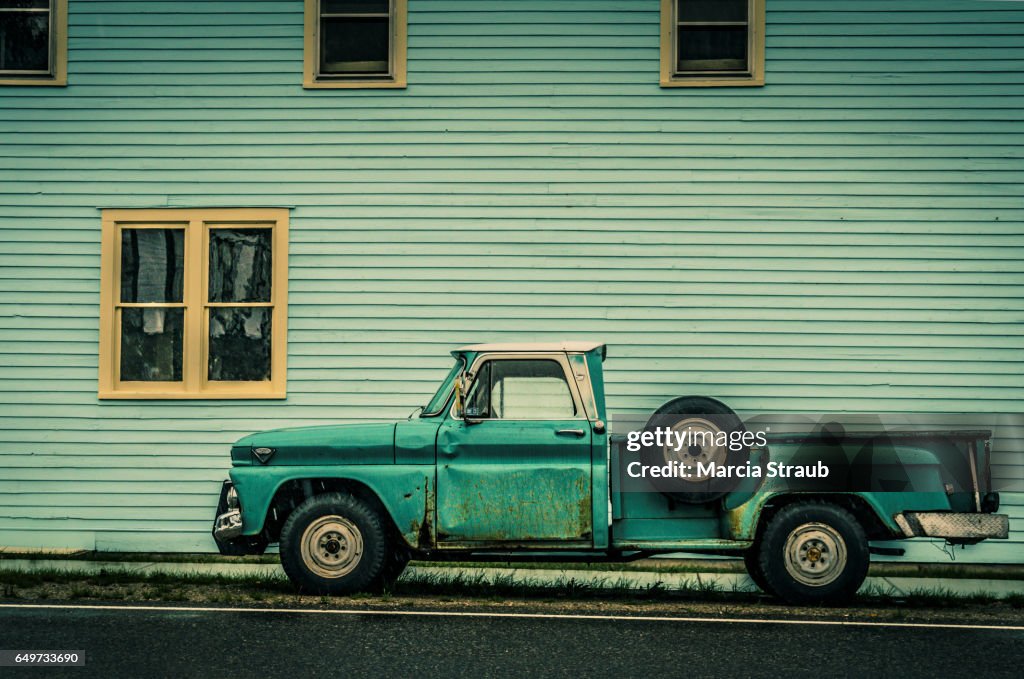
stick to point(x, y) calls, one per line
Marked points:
point(324, 445)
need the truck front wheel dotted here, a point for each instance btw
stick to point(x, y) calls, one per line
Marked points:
point(334, 544)
point(814, 553)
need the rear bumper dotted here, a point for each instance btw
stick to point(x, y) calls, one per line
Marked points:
point(954, 525)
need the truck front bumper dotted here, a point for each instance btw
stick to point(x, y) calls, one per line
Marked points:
point(227, 522)
point(227, 528)
point(228, 525)
point(954, 525)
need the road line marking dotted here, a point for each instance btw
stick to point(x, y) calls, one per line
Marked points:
point(543, 616)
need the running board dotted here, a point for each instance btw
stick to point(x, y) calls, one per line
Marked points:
point(535, 557)
point(887, 551)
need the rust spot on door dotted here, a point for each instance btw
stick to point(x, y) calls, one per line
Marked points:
point(505, 504)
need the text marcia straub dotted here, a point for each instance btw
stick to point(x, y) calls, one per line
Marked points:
point(702, 470)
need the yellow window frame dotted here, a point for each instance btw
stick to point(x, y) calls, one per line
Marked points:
point(196, 224)
point(755, 51)
point(58, 76)
point(396, 78)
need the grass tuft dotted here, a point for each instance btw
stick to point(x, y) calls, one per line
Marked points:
point(503, 585)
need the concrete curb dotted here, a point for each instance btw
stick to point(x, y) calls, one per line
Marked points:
point(897, 586)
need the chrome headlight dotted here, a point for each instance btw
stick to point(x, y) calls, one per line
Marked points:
point(232, 498)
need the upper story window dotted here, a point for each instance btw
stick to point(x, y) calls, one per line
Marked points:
point(705, 43)
point(355, 43)
point(193, 303)
point(33, 42)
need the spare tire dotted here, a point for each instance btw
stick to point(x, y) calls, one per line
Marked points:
point(702, 422)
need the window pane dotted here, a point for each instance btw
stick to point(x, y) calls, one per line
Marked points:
point(713, 10)
point(240, 265)
point(152, 265)
point(354, 46)
point(355, 6)
point(521, 390)
point(24, 4)
point(712, 48)
point(151, 344)
point(239, 344)
point(24, 41)
point(441, 395)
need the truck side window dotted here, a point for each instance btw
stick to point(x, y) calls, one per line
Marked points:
point(477, 400)
point(521, 390)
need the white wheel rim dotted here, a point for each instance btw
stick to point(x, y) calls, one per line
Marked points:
point(700, 430)
point(815, 554)
point(332, 546)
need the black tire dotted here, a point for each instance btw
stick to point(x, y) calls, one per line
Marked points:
point(814, 553)
point(334, 544)
point(393, 568)
point(751, 561)
point(244, 546)
point(718, 416)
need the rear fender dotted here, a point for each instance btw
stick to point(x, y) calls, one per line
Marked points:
point(743, 522)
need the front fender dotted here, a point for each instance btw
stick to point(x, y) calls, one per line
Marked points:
point(406, 491)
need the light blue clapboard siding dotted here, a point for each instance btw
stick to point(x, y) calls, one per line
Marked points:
point(848, 238)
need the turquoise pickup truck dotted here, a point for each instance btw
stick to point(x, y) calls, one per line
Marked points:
point(512, 460)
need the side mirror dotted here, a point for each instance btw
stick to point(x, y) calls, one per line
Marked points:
point(469, 415)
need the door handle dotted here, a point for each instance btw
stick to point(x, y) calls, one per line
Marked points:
point(570, 432)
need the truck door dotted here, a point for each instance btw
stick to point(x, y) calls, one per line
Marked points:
point(517, 470)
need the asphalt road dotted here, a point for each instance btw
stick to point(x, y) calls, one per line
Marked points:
point(168, 643)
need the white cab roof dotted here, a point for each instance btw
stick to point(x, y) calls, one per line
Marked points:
point(574, 347)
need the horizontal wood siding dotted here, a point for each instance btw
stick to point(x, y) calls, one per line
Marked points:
point(849, 237)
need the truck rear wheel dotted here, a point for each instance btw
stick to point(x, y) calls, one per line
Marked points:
point(753, 564)
point(334, 544)
point(814, 553)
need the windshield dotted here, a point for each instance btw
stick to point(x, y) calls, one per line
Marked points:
point(441, 397)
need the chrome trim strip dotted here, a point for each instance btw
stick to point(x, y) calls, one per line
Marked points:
point(904, 525)
point(959, 525)
point(228, 525)
point(972, 455)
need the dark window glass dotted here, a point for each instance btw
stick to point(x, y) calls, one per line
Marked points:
point(441, 396)
point(712, 35)
point(25, 35)
point(240, 265)
point(713, 10)
point(354, 37)
point(354, 45)
point(152, 265)
point(355, 7)
point(239, 344)
point(151, 344)
point(712, 48)
point(520, 390)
